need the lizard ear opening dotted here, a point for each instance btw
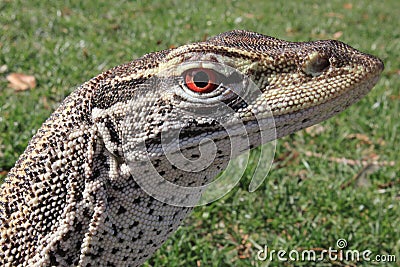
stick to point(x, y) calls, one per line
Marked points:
point(316, 64)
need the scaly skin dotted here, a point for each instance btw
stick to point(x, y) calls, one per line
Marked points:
point(72, 198)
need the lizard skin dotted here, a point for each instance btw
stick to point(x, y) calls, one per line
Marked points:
point(71, 198)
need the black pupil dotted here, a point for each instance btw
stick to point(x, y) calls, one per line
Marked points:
point(200, 79)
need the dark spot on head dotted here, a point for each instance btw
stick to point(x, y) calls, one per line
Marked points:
point(135, 223)
point(115, 229)
point(121, 210)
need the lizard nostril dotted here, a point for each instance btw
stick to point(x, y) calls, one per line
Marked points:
point(316, 64)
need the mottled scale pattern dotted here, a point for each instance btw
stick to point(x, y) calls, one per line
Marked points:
point(72, 198)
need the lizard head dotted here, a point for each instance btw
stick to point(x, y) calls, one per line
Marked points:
point(235, 85)
point(298, 83)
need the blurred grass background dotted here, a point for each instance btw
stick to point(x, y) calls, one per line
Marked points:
point(317, 191)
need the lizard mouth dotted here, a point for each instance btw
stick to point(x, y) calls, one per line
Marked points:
point(315, 114)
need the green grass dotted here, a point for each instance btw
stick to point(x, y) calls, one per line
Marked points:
point(307, 201)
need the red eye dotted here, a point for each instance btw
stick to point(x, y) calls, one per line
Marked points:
point(201, 80)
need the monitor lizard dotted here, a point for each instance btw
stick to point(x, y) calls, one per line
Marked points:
point(71, 198)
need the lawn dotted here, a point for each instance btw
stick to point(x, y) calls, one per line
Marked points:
point(337, 180)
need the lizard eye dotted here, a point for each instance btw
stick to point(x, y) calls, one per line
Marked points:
point(201, 80)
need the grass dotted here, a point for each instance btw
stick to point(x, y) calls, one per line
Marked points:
point(311, 198)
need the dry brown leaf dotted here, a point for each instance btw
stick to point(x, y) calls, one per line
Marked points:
point(315, 130)
point(334, 15)
point(337, 35)
point(66, 12)
point(21, 82)
point(45, 103)
point(249, 15)
point(348, 6)
point(360, 137)
point(353, 162)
